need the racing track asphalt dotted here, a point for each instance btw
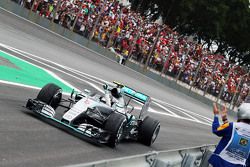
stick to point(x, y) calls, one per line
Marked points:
point(27, 141)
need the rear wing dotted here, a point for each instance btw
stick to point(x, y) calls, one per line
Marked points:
point(127, 91)
point(138, 96)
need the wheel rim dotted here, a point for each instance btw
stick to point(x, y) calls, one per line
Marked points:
point(119, 134)
point(56, 99)
point(155, 134)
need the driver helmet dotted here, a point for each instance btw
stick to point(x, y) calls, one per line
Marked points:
point(244, 111)
point(116, 92)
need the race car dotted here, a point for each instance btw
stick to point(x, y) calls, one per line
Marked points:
point(86, 115)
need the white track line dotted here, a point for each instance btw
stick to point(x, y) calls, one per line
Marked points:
point(24, 86)
point(85, 74)
point(18, 84)
point(190, 116)
point(183, 118)
point(164, 108)
point(59, 65)
point(192, 113)
point(49, 72)
point(178, 108)
point(94, 86)
point(170, 115)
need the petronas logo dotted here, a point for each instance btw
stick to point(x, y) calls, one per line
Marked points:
point(7, 63)
point(243, 142)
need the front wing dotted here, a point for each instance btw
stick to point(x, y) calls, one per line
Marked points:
point(86, 132)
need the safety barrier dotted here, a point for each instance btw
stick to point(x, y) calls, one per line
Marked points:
point(189, 157)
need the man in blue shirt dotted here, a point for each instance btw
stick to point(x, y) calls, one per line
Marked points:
point(233, 148)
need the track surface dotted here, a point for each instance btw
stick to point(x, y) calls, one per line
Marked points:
point(27, 141)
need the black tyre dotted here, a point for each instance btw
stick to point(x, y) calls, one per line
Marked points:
point(114, 124)
point(148, 131)
point(50, 94)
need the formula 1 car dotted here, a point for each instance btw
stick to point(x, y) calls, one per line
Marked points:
point(87, 115)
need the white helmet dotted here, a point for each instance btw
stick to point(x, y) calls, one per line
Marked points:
point(244, 111)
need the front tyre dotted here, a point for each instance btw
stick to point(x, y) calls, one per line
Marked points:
point(148, 131)
point(114, 124)
point(50, 94)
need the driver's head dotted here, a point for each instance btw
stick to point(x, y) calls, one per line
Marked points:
point(115, 92)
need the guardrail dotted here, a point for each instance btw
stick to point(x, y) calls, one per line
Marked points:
point(189, 157)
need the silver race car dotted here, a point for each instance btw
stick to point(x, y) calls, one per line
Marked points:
point(88, 116)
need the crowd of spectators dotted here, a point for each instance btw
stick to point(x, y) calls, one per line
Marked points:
point(113, 25)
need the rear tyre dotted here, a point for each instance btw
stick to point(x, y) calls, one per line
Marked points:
point(50, 94)
point(114, 125)
point(148, 131)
